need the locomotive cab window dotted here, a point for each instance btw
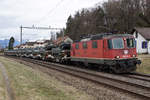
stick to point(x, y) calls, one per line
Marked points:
point(77, 46)
point(84, 45)
point(130, 43)
point(94, 44)
point(118, 43)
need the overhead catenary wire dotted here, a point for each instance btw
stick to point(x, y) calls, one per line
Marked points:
point(36, 28)
point(43, 18)
point(50, 11)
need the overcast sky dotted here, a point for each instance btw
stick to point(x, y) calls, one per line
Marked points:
point(54, 13)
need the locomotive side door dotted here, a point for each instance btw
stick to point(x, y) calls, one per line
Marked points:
point(105, 49)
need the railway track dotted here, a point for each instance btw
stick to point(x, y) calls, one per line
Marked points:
point(139, 76)
point(137, 85)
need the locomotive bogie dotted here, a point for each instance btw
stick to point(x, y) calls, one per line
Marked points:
point(116, 65)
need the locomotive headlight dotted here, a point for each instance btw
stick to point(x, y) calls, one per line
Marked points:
point(126, 52)
point(117, 57)
point(134, 55)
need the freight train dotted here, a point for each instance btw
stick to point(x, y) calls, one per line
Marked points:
point(109, 52)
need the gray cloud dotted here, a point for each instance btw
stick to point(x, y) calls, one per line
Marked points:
point(7, 22)
point(14, 13)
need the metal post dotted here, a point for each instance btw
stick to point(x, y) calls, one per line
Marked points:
point(20, 35)
point(21, 41)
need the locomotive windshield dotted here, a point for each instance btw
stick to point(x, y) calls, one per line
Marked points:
point(130, 42)
point(116, 43)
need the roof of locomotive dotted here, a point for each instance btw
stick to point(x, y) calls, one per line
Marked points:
point(104, 35)
point(99, 36)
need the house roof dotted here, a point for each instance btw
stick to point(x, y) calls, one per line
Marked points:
point(145, 32)
point(60, 39)
point(18, 46)
point(47, 41)
point(30, 43)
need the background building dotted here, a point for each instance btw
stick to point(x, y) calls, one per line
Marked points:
point(142, 37)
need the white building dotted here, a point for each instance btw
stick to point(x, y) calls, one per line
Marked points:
point(41, 43)
point(142, 37)
point(28, 45)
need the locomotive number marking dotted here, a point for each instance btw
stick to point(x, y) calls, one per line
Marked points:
point(126, 56)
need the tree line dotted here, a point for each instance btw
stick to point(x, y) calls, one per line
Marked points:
point(118, 16)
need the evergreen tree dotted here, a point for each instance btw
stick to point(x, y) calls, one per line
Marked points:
point(11, 43)
point(119, 16)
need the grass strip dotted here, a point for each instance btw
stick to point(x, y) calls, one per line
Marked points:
point(30, 84)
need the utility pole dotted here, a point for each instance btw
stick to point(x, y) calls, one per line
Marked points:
point(21, 35)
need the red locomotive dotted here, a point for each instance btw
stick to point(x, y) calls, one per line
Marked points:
point(111, 52)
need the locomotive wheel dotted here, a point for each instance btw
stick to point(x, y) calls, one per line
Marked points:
point(115, 69)
point(111, 71)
